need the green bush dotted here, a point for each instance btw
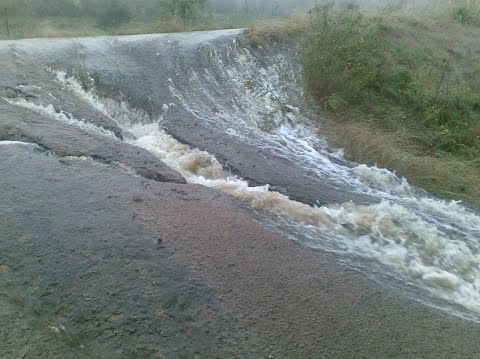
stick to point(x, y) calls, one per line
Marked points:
point(467, 13)
point(55, 8)
point(186, 10)
point(352, 63)
point(113, 15)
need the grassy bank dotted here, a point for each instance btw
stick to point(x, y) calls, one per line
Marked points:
point(35, 27)
point(401, 90)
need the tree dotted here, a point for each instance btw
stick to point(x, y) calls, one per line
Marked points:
point(186, 10)
point(9, 8)
point(114, 14)
point(7, 26)
point(60, 8)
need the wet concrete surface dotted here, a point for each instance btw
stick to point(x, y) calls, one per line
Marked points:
point(105, 252)
point(150, 90)
point(83, 275)
point(139, 70)
point(65, 140)
point(99, 263)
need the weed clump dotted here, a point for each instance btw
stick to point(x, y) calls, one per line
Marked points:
point(467, 12)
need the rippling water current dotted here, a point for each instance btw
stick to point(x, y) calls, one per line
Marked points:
point(424, 242)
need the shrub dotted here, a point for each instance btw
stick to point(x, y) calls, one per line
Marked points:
point(113, 15)
point(352, 63)
point(55, 8)
point(467, 13)
point(186, 10)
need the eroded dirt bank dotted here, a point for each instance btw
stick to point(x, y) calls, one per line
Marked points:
point(97, 262)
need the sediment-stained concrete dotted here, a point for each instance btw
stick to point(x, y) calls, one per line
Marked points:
point(106, 252)
point(99, 263)
point(22, 124)
point(141, 70)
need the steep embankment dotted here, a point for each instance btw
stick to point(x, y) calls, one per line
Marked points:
point(109, 252)
point(401, 90)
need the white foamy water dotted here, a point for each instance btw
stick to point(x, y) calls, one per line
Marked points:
point(10, 143)
point(267, 113)
point(390, 233)
point(50, 112)
point(431, 243)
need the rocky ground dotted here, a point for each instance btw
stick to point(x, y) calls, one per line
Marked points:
point(97, 262)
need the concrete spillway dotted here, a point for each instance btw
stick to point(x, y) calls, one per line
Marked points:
point(171, 195)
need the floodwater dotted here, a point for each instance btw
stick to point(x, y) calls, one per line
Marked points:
point(233, 118)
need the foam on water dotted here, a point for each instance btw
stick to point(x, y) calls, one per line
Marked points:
point(427, 242)
point(267, 112)
point(50, 112)
point(387, 232)
point(10, 143)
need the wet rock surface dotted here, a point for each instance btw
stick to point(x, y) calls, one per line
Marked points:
point(141, 71)
point(64, 140)
point(259, 167)
point(98, 263)
point(106, 252)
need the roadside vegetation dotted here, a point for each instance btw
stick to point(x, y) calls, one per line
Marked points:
point(60, 18)
point(401, 89)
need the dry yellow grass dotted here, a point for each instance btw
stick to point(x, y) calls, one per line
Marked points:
point(55, 27)
point(266, 31)
point(404, 152)
point(44, 30)
point(364, 142)
point(51, 27)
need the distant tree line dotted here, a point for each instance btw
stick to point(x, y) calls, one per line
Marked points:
point(74, 8)
point(109, 13)
point(149, 8)
point(113, 13)
point(182, 9)
point(261, 8)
